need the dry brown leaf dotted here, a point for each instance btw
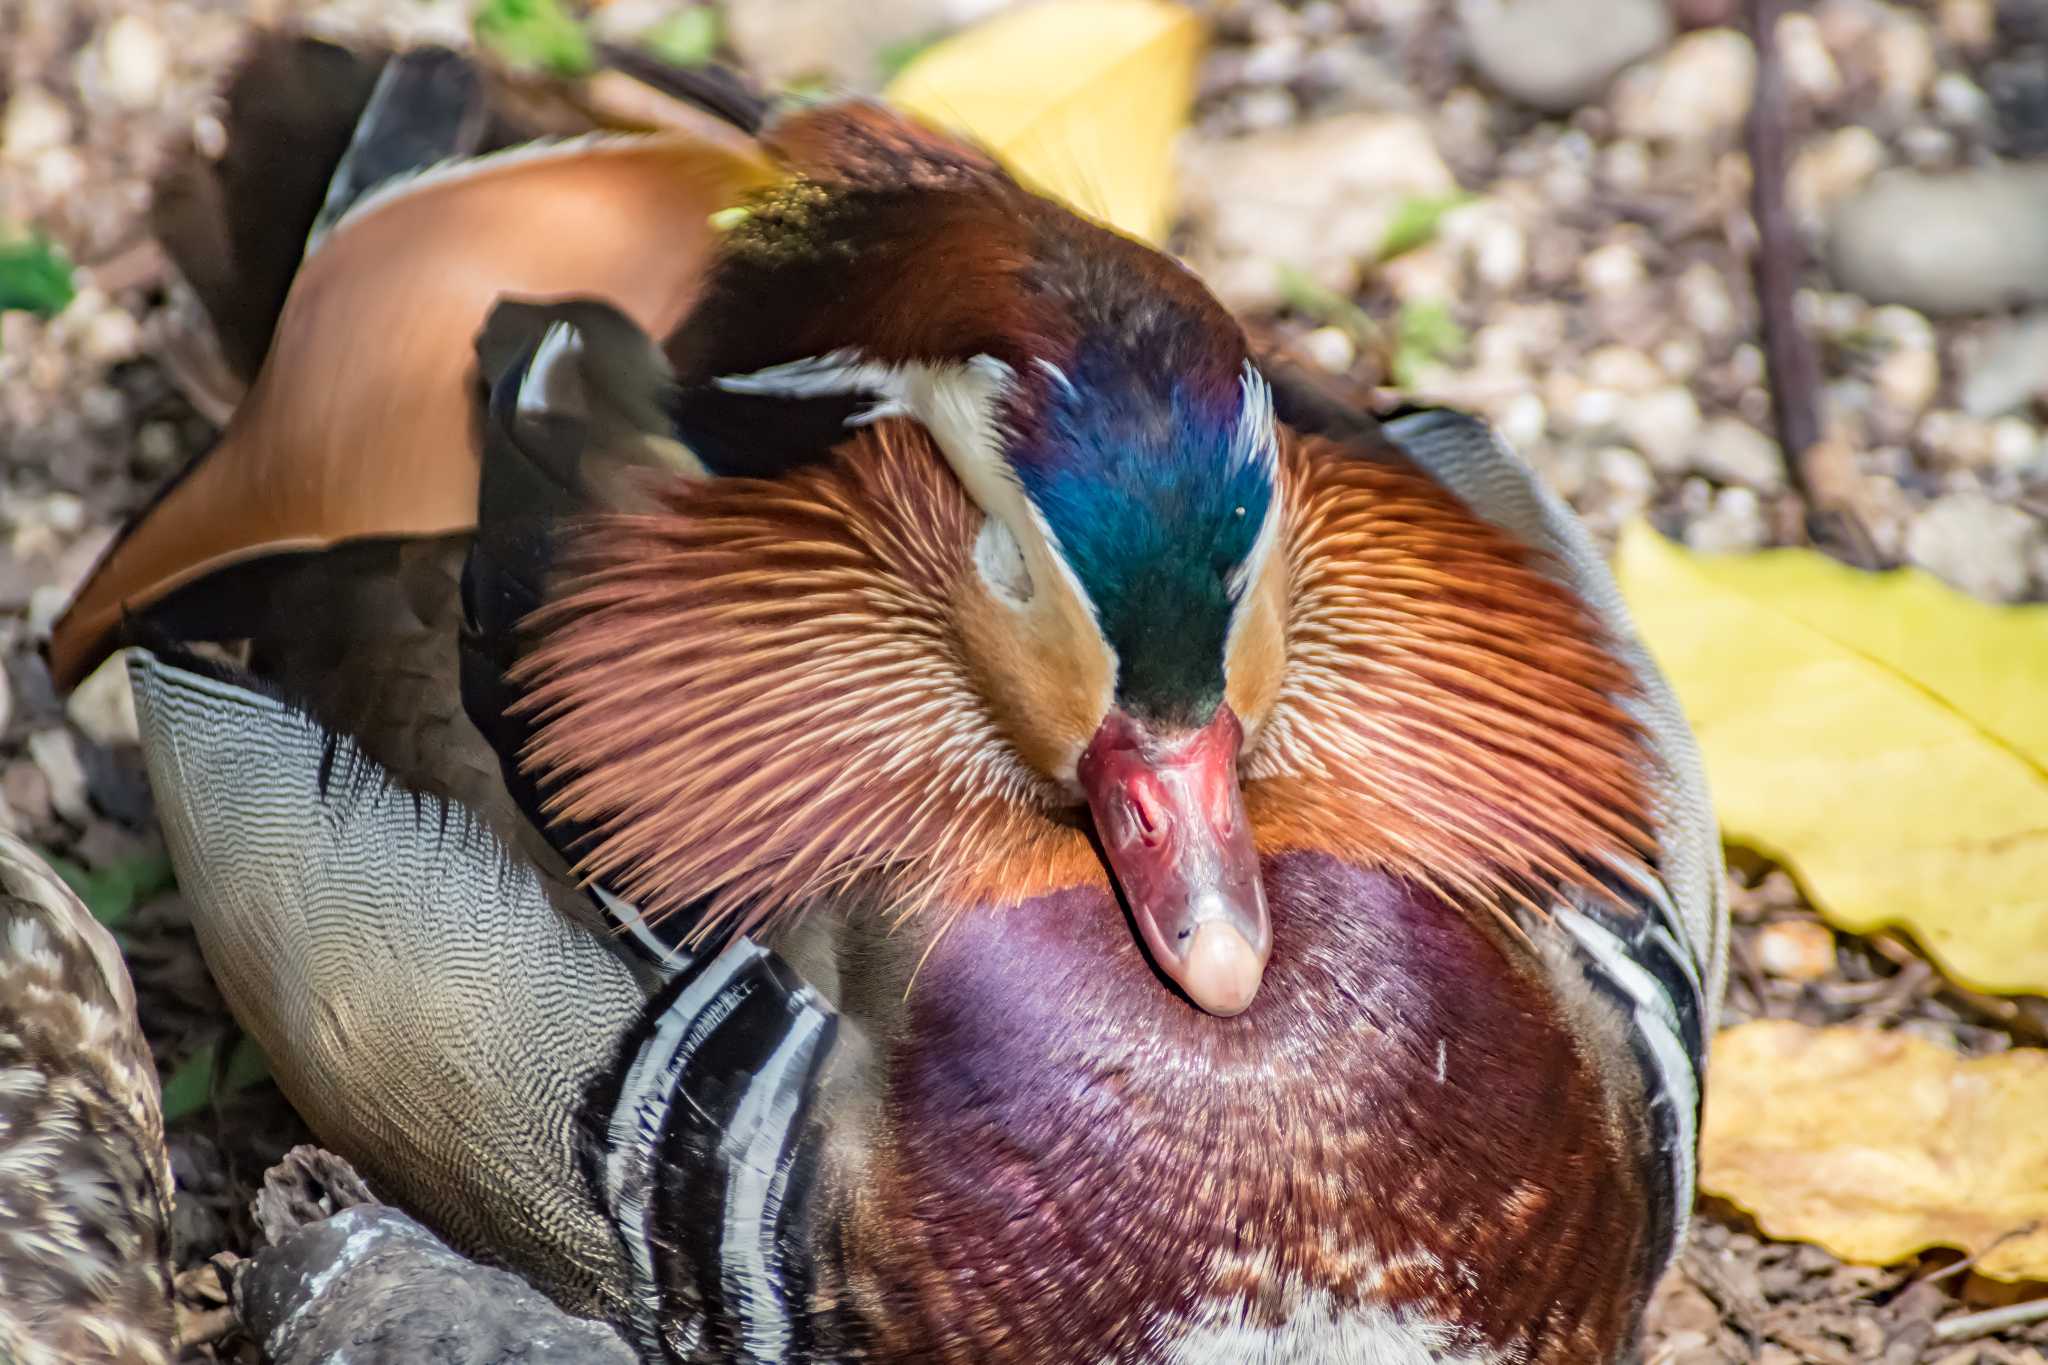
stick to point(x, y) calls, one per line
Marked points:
point(1878, 1146)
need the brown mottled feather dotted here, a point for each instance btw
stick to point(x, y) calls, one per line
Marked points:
point(85, 1183)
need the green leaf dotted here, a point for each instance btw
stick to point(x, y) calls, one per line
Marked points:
point(1425, 334)
point(187, 1089)
point(112, 892)
point(191, 1086)
point(687, 38)
point(247, 1066)
point(1303, 295)
point(535, 33)
point(35, 276)
point(1415, 221)
point(894, 57)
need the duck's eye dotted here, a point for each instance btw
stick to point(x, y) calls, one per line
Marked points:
point(1001, 561)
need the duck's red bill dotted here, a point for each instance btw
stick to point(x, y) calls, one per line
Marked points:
point(1170, 814)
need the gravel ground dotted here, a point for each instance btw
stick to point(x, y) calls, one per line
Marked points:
point(1587, 287)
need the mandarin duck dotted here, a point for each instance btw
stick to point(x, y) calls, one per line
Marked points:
point(807, 748)
point(85, 1181)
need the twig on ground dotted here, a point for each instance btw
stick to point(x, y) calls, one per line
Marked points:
point(1790, 360)
point(1991, 1320)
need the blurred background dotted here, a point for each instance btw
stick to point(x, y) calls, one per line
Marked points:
point(1657, 252)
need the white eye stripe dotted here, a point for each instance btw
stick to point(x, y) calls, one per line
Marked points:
point(817, 376)
point(1001, 561)
point(1257, 439)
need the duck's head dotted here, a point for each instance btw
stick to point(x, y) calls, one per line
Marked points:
point(1115, 609)
point(1123, 616)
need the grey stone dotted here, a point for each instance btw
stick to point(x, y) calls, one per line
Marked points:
point(56, 753)
point(369, 1286)
point(1558, 54)
point(1317, 197)
point(2004, 368)
point(1697, 92)
point(1945, 243)
point(1981, 547)
point(103, 706)
point(1731, 451)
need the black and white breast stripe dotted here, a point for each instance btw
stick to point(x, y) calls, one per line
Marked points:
point(1639, 964)
point(709, 1158)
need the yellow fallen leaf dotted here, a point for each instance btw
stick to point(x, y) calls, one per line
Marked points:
point(1081, 99)
point(1883, 736)
point(1878, 1146)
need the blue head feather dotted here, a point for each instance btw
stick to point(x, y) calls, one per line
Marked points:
point(1155, 492)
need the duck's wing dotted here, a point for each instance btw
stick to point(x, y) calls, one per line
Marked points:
point(423, 1004)
point(358, 424)
point(653, 1159)
point(85, 1183)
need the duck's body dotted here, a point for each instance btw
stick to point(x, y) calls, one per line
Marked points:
point(946, 582)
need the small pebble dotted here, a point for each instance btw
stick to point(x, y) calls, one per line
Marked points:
point(1500, 254)
point(1680, 356)
point(1905, 58)
point(1976, 545)
point(1960, 100)
point(1928, 147)
point(1909, 374)
point(27, 792)
point(64, 513)
point(36, 122)
point(1623, 368)
point(1969, 24)
point(1808, 63)
point(1331, 348)
point(135, 60)
point(1733, 524)
point(103, 706)
point(2004, 367)
point(1979, 240)
point(1696, 93)
point(1613, 269)
point(1555, 55)
point(111, 337)
point(1523, 420)
point(55, 752)
point(2015, 444)
point(1624, 486)
point(1731, 451)
point(1796, 949)
point(46, 602)
point(1664, 424)
point(1703, 294)
point(156, 447)
point(1626, 166)
point(1830, 167)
